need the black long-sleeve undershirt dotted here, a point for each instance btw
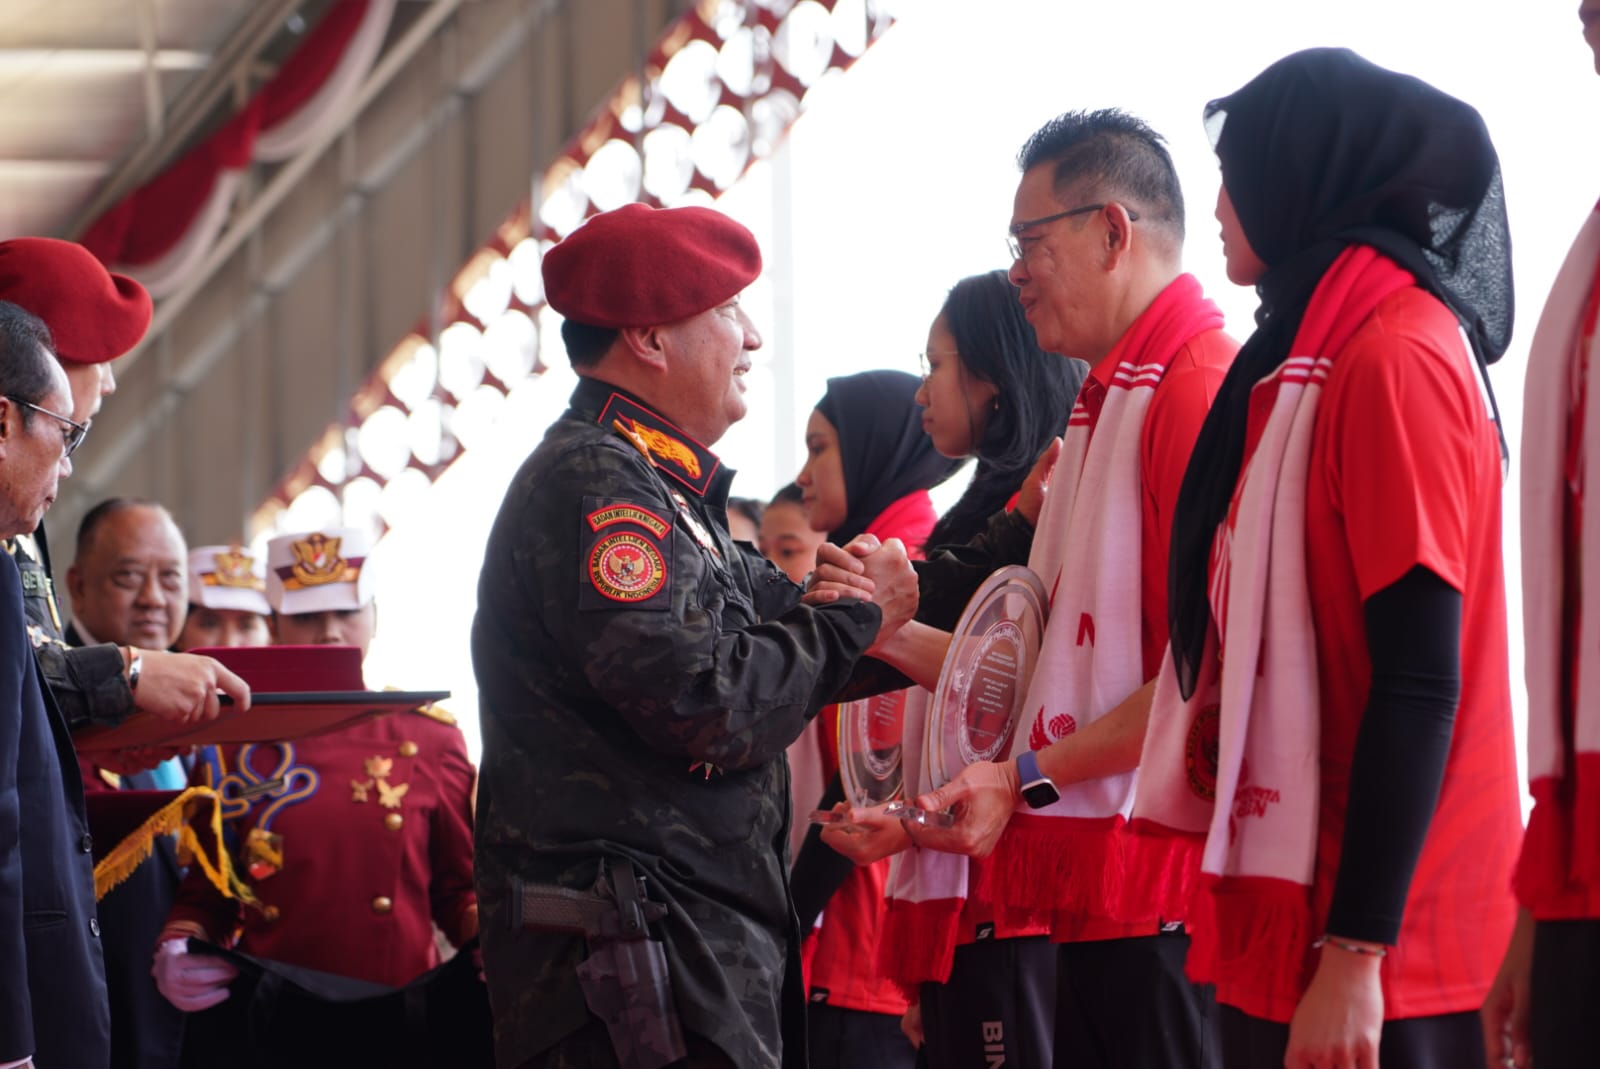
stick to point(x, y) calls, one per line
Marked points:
point(1413, 630)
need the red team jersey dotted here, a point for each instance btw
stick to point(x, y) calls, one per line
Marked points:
point(1406, 471)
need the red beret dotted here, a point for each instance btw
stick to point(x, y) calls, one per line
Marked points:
point(93, 315)
point(640, 266)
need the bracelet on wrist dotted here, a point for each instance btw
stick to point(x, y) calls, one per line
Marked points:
point(1349, 947)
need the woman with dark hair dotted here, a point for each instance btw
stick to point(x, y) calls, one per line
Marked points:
point(868, 470)
point(989, 391)
point(868, 465)
point(1334, 719)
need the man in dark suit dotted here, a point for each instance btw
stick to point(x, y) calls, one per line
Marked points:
point(129, 586)
point(54, 1008)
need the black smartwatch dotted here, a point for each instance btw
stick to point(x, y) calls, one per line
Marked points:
point(1038, 789)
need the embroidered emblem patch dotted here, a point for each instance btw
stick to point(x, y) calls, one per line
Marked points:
point(626, 567)
point(234, 568)
point(1201, 752)
point(614, 514)
point(317, 562)
point(665, 447)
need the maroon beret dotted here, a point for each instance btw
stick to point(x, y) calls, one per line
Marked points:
point(93, 315)
point(640, 266)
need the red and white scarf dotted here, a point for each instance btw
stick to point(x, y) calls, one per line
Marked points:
point(927, 889)
point(1258, 705)
point(1559, 873)
point(1071, 859)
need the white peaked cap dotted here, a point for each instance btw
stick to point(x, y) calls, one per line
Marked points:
point(227, 577)
point(319, 571)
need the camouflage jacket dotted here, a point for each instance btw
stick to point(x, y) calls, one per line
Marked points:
point(640, 677)
point(88, 683)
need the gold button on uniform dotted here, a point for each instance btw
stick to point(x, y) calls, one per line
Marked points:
point(382, 904)
point(269, 914)
point(392, 821)
point(408, 749)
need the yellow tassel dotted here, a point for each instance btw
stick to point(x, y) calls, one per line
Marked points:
point(172, 818)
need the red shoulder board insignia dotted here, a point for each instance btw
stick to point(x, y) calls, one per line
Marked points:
point(672, 451)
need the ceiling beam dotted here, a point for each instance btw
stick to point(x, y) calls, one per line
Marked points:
point(98, 60)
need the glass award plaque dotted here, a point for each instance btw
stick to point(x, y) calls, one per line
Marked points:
point(985, 676)
point(870, 733)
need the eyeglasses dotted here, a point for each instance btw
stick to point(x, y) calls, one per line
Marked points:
point(1014, 241)
point(927, 365)
point(74, 433)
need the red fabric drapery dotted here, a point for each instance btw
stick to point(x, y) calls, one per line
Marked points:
point(147, 223)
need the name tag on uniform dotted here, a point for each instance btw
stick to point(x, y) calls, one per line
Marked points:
point(35, 583)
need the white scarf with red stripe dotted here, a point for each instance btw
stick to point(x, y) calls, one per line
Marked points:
point(1559, 874)
point(1258, 705)
point(1071, 858)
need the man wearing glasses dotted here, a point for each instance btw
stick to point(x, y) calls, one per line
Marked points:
point(1096, 243)
point(55, 1009)
point(94, 317)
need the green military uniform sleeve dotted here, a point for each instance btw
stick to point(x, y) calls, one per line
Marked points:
point(88, 683)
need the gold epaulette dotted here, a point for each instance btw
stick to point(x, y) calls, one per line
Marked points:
point(432, 711)
point(436, 712)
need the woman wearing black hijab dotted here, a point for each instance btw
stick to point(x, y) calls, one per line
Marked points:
point(868, 463)
point(867, 471)
point(1337, 603)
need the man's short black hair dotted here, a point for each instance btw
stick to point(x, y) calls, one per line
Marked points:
point(788, 495)
point(586, 344)
point(1111, 155)
point(96, 518)
point(27, 353)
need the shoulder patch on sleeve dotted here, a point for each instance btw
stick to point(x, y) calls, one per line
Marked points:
point(608, 515)
point(625, 556)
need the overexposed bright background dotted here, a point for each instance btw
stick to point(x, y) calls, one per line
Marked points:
point(898, 181)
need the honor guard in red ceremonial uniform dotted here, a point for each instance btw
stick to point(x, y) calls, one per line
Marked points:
point(355, 843)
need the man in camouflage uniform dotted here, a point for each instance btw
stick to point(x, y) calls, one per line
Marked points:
point(641, 675)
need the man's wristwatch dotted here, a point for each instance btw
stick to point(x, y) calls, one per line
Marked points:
point(135, 665)
point(1038, 789)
